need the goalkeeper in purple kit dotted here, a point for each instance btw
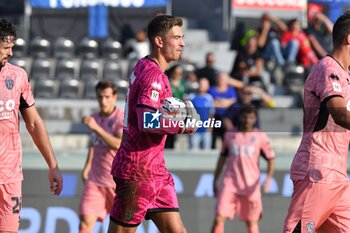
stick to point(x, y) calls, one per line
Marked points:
point(144, 187)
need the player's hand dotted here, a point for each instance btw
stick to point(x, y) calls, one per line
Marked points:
point(266, 185)
point(90, 122)
point(84, 175)
point(55, 180)
point(192, 116)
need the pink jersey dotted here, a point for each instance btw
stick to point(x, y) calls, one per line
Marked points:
point(100, 172)
point(141, 155)
point(323, 152)
point(244, 150)
point(15, 93)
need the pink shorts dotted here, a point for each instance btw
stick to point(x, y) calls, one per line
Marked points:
point(10, 206)
point(136, 200)
point(320, 207)
point(96, 201)
point(247, 207)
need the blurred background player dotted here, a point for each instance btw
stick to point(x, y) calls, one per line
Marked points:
point(319, 168)
point(106, 128)
point(16, 96)
point(145, 189)
point(240, 189)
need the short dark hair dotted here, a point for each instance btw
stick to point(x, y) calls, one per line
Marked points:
point(247, 109)
point(341, 29)
point(161, 25)
point(7, 31)
point(103, 84)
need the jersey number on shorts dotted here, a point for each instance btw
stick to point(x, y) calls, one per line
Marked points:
point(17, 204)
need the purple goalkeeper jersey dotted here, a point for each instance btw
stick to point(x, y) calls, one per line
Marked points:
point(141, 154)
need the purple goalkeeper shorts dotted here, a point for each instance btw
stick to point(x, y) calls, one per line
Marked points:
point(137, 200)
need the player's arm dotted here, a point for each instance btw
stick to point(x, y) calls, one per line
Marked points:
point(88, 163)
point(269, 175)
point(336, 106)
point(113, 141)
point(219, 167)
point(37, 131)
point(269, 155)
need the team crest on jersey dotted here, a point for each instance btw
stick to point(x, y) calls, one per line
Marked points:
point(110, 123)
point(310, 227)
point(253, 139)
point(9, 83)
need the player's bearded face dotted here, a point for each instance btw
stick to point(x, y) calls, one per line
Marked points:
point(6, 50)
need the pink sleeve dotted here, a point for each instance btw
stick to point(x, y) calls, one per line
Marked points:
point(27, 98)
point(266, 148)
point(328, 84)
point(153, 90)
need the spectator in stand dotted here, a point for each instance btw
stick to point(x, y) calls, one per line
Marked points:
point(178, 87)
point(247, 95)
point(223, 95)
point(320, 34)
point(296, 45)
point(268, 37)
point(249, 64)
point(177, 82)
point(204, 104)
point(208, 71)
point(138, 46)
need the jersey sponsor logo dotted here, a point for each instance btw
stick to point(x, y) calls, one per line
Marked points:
point(334, 76)
point(336, 87)
point(9, 83)
point(154, 95)
point(151, 120)
point(6, 109)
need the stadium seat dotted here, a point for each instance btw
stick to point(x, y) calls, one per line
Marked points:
point(122, 88)
point(131, 66)
point(89, 90)
point(40, 47)
point(46, 88)
point(294, 77)
point(90, 69)
point(112, 49)
point(41, 68)
point(66, 68)
point(71, 89)
point(88, 48)
point(21, 62)
point(20, 48)
point(64, 48)
point(112, 69)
